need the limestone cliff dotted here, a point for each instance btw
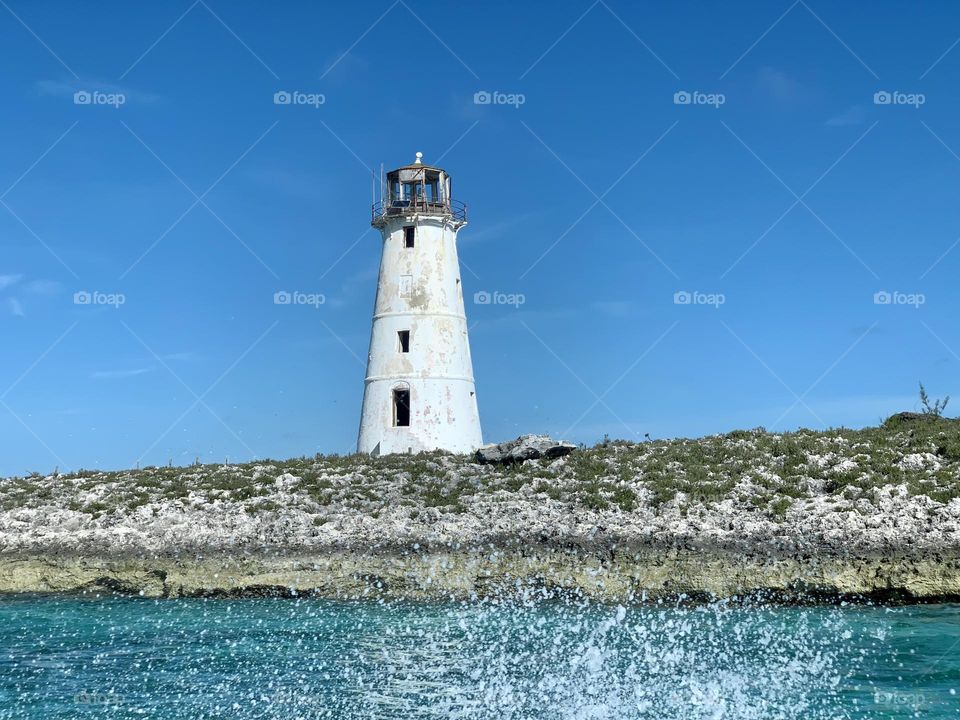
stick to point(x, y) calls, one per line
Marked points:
point(840, 513)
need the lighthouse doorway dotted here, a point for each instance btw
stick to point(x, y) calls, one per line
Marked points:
point(401, 407)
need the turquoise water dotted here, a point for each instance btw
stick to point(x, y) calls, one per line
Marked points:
point(111, 657)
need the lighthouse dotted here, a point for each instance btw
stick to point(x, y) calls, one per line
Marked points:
point(419, 392)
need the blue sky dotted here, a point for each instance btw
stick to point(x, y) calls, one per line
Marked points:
point(780, 199)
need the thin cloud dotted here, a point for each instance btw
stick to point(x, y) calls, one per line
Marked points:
point(39, 288)
point(854, 115)
point(352, 287)
point(8, 280)
point(173, 357)
point(780, 87)
point(613, 308)
point(510, 317)
point(342, 66)
point(67, 88)
point(113, 374)
point(46, 288)
point(496, 231)
point(293, 184)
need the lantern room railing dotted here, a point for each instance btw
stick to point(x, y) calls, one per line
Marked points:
point(393, 208)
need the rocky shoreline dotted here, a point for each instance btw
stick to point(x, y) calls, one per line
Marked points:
point(458, 575)
point(870, 515)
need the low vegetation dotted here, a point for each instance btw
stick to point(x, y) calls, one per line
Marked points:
point(917, 453)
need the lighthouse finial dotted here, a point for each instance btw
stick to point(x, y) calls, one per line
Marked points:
point(419, 157)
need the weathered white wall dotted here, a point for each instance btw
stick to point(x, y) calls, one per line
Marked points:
point(438, 369)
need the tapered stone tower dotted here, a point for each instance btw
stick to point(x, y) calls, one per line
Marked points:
point(419, 392)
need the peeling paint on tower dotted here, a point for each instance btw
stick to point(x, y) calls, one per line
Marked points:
point(419, 392)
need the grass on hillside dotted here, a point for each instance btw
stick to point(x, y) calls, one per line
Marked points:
point(766, 470)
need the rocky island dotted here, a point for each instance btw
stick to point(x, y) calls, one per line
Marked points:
point(870, 514)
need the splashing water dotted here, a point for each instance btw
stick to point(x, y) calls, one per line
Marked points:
point(561, 658)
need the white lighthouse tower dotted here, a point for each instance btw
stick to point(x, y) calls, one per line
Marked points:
point(419, 392)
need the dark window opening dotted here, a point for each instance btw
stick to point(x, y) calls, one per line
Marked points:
point(413, 191)
point(401, 408)
point(408, 234)
point(404, 337)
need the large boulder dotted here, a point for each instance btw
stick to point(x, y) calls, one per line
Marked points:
point(913, 418)
point(525, 447)
point(903, 418)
